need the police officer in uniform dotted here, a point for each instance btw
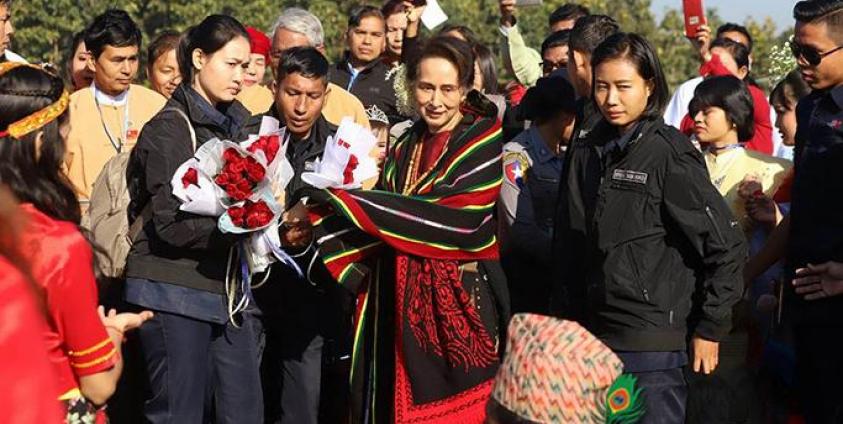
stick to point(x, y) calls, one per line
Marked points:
point(532, 164)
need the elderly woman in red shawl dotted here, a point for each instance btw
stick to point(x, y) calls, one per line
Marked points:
point(422, 253)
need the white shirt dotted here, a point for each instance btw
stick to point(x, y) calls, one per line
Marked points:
point(14, 57)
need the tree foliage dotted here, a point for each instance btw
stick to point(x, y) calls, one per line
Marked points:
point(45, 27)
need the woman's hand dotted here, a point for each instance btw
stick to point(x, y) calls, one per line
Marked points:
point(819, 281)
point(750, 188)
point(763, 210)
point(705, 354)
point(125, 321)
point(297, 230)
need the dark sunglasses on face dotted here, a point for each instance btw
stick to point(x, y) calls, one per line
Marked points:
point(812, 56)
point(549, 67)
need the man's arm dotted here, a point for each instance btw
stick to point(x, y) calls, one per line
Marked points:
point(522, 61)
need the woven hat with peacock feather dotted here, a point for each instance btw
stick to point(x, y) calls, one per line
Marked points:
point(555, 371)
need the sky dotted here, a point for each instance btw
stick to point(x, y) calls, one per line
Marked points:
point(737, 10)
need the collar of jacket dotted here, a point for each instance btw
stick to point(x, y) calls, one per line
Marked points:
point(318, 134)
point(605, 133)
point(228, 117)
point(346, 62)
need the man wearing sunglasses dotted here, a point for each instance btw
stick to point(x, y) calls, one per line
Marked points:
point(816, 219)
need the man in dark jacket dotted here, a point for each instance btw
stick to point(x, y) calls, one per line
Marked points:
point(362, 72)
point(303, 317)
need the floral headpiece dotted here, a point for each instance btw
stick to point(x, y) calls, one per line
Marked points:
point(39, 119)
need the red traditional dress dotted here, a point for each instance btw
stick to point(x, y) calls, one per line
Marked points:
point(28, 381)
point(61, 261)
point(423, 251)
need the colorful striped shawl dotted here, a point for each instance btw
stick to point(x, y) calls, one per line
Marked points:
point(448, 215)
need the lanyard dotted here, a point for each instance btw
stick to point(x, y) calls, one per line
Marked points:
point(723, 169)
point(725, 148)
point(124, 127)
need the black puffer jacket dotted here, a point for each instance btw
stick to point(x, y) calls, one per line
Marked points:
point(646, 248)
point(178, 247)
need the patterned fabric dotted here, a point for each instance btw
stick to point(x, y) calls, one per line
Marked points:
point(80, 411)
point(426, 342)
point(555, 371)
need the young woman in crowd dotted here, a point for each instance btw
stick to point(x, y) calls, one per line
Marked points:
point(426, 349)
point(177, 266)
point(486, 78)
point(722, 109)
point(727, 57)
point(784, 97)
point(647, 238)
point(82, 344)
point(78, 73)
point(162, 66)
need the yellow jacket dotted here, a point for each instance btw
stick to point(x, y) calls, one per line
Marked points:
point(90, 145)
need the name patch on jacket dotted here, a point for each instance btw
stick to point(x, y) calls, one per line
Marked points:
point(630, 176)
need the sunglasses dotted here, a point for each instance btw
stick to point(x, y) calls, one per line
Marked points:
point(810, 55)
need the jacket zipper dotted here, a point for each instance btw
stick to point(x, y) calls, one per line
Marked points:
point(637, 273)
point(714, 224)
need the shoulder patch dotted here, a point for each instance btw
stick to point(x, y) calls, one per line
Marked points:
point(515, 166)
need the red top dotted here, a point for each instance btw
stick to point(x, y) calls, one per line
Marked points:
point(27, 392)
point(432, 147)
point(783, 192)
point(61, 261)
point(762, 139)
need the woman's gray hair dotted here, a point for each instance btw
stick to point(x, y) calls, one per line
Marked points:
point(303, 22)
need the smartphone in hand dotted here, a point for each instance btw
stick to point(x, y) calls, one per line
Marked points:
point(694, 16)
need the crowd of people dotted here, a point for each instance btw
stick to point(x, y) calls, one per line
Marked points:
point(565, 240)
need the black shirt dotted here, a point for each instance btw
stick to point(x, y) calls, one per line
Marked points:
point(816, 214)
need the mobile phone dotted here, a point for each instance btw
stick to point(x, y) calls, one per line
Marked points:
point(522, 3)
point(694, 16)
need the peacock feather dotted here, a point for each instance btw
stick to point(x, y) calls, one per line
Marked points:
point(624, 404)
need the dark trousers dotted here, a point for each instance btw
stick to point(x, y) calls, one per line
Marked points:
point(819, 368)
point(201, 371)
point(304, 327)
point(664, 394)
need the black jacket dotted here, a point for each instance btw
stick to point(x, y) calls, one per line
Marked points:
point(373, 86)
point(645, 238)
point(178, 247)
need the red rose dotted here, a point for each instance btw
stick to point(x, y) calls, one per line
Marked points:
point(256, 172)
point(348, 172)
point(230, 154)
point(269, 144)
point(237, 215)
point(190, 177)
point(221, 179)
point(258, 214)
point(244, 185)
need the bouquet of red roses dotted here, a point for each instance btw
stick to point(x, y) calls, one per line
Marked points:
point(231, 180)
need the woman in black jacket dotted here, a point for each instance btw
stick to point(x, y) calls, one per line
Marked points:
point(649, 250)
point(177, 266)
